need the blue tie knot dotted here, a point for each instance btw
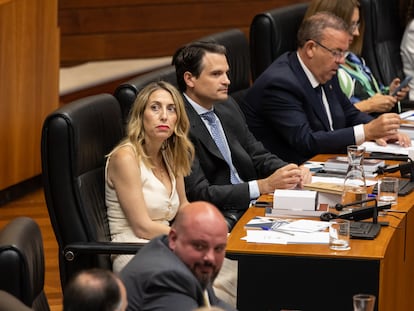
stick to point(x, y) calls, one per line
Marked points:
point(209, 116)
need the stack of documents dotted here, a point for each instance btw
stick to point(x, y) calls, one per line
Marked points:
point(394, 148)
point(340, 165)
point(330, 188)
point(301, 231)
point(407, 123)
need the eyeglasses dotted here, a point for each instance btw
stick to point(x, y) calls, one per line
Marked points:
point(354, 26)
point(337, 54)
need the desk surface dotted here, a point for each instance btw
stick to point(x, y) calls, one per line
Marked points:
point(382, 265)
point(377, 248)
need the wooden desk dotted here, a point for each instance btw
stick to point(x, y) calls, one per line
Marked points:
point(313, 277)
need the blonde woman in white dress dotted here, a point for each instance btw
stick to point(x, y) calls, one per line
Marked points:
point(144, 176)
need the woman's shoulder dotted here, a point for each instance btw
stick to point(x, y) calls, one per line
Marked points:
point(125, 153)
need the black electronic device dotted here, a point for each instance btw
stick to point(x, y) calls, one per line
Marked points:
point(359, 230)
point(387, 156)
point(355, 214)
point(405, 186)
point(363, 212)
point(402, 85)
point(364, 230)
point(406, 169)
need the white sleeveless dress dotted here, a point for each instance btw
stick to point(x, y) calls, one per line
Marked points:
point(162, 208)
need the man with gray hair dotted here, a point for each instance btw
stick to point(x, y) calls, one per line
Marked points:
point(296, 107)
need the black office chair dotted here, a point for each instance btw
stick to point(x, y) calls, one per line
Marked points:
point(75, 140)
point(238, 58)
point(128, 91)
point(382, 38)
point(10, 303)
point(272, 33)
point(22, 264)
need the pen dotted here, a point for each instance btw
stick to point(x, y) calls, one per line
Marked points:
point(277, 230)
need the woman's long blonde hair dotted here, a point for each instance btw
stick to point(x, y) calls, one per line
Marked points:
point(178, 149)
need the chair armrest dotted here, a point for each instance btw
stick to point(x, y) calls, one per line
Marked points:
point(72, 250)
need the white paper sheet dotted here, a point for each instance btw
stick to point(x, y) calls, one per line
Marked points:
point(371, 146)
point(272, 237)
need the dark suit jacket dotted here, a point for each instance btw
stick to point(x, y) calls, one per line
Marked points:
point(283, 111)
point(210, 176)
point(156, 279)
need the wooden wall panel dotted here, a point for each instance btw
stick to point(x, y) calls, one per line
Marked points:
point(29, 63)
point(100, 30)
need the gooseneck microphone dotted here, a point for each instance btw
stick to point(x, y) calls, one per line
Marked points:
point(340, 207)
point(405, 169)
point(361, 212)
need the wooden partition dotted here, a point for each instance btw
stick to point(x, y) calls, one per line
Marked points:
point(29, 64)
point(118, 29)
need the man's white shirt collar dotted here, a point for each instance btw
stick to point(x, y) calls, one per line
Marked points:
point(198, 108)
point(308, 73)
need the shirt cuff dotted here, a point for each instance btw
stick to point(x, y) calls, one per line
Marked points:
point(359, 134)
point(254, 189)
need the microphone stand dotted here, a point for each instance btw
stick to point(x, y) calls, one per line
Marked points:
point(405, 169)
point(362, 212)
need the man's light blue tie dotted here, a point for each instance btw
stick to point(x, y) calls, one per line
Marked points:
point(219, 139)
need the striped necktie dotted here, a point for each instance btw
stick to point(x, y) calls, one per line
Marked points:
point(220, 140)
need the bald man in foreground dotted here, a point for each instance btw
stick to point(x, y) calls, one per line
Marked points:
point(176, 272)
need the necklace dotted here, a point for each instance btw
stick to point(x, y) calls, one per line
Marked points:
point(159, 172)
point(159, 169)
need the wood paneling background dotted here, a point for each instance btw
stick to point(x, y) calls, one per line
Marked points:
point(29, 64)
point(119, 29)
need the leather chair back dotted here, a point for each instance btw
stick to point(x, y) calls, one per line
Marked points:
point(10, 303)
point(75, 140)
point(272, 33)
point(22, 265)
point(128, 91)
point(238, 58)
point(382, 38)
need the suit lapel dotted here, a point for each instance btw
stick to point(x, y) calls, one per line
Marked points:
point(310, 92)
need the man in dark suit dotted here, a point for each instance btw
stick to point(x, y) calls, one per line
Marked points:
point(286, 111)
point(176, 272)
point(231, 171)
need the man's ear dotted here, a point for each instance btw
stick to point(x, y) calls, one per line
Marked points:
point(172, 238)
point(309, 48)
point(189, 79)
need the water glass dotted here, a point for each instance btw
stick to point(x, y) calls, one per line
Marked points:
point(339, 234)
point(364, 302)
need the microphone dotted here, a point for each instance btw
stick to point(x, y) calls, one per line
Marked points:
point(362, 212)
point(340, 207)
point(358, 213)
point(405, 169)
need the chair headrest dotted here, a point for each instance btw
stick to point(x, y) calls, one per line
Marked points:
point(273, 33)
point(128, 91)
